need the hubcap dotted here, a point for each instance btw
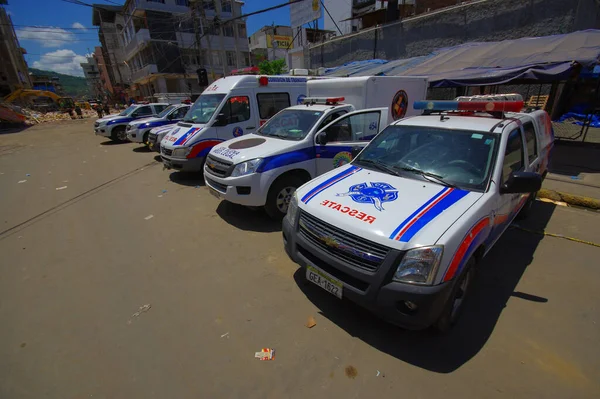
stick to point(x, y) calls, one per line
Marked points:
point(460, 294)
point(283, 199)
point(122, 135)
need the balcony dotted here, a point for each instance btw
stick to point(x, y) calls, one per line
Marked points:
point(143, 72)
point(139, 40)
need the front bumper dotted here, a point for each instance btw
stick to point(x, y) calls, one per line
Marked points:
point(182, 164)
point(374, 291)
point(243, 190)
point(104, 131)
point(135, 135)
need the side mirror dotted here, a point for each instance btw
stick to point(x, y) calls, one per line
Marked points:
point(221, 120)
point(355, 151)
point(321, 138)
point(521, 183)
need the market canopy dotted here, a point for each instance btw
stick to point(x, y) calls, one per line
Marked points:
point(539, 59)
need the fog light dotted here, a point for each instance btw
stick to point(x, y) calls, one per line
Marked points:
point(410, 305)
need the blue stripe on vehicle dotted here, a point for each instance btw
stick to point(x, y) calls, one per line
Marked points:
point(438, 208)
point(185, 136)
point(415, 213)
point(288, 158)
point(330, 182)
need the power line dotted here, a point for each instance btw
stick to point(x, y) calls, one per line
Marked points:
point(51, 27)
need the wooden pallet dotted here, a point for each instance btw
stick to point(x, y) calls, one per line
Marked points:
point(538, 101)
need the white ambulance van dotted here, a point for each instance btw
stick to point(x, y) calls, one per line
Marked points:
point(402, 229)
point(230, 107)
point(301, 142)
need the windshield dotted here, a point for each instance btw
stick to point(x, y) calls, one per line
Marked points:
point(166, 111)
point(290, 124)
point(204, 108)
point(128, 111)
point(445, 156)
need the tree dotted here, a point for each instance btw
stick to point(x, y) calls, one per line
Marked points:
point(275, 67)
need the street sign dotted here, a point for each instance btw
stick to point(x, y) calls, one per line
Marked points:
point(304, 12)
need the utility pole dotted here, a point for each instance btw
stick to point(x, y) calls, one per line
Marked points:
point(235, 38)
point(204, 25)
point(221, 43)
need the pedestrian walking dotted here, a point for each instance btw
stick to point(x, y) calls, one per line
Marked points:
point(78, 112)
point(106, 109)
point(99, 110)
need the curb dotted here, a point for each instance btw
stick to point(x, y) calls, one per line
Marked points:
point(575, 200)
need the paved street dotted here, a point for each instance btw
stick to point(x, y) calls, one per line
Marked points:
point(98, 231)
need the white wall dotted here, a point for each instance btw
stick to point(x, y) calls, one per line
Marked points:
point(339, 10)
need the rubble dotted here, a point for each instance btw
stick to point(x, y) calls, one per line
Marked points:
point(13, 113)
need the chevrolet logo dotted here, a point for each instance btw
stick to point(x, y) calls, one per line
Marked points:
point(211, 165)
point(330, 242)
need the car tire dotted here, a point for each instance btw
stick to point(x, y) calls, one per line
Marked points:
point(280, 195)
point(118, 134)
point(526, 210)
point(145, 139)
point(455, 305)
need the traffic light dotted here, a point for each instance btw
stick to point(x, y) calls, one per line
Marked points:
point(202, 77)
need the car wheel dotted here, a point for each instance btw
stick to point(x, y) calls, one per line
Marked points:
point(455, 304)
point(145, 139)
point(280, 195)
point(119, 134)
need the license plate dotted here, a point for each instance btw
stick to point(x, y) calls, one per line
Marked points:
point(324, 280)
point(214, 193)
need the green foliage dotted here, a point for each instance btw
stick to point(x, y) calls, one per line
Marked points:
point(73, 86)
point(275, 67)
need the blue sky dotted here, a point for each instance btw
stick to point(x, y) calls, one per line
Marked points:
point(62, 47)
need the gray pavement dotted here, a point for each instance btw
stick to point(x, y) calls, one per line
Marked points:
point(78, 263)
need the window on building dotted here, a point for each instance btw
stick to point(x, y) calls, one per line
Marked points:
point(209, 5)
point(237, 109)
point(271, 103)
point(216, 58)
point(190, 57)
point(183, 3)
point(242, 30)
point(246, 58)
point(513, 156)
point(228, 30)
point(226, 5)
point(230, 58)
point(531, 141)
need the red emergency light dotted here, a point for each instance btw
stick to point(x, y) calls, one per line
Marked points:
point(246, 71)
point(323, 100)
point(263, 81)
point(483, 106)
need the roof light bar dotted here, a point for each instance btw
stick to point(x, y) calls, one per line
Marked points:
point(323, 100)
point(484, 106)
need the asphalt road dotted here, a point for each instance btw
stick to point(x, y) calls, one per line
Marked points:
point(133, 282)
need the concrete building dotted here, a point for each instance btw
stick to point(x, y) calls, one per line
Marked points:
point(160, 48)
point(354, 15)
point(302, 40)
point(46, 82)
point(109, 20)
point(14, 73)
point(92, 77)
point(105, 82)
point(271, 43)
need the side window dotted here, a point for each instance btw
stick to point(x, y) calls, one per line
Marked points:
point(531, 141)
point(160, 108)
point(143, 111)
point(180, 113)
point(237, 109)
point(513, 156)
point(356, 127)
point(330, 119)
point(271, 103)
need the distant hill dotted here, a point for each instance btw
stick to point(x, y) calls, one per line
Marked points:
point(74, 86)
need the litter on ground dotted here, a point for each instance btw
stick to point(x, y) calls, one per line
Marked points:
point(311, 322)
point(149, 217)
point(265, 354)
point(60, 188)
point(22, 181)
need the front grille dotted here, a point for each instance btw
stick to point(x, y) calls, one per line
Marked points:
point(96, 124)
point(217, 186)
point(346, 247)
point(167, 151)
point(218, 167)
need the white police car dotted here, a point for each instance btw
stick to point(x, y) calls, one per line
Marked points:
point(114, 126)
point(138, 130)
point(402, 228)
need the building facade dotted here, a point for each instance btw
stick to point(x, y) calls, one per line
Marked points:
point(271, 43)
point(14, 73)
point(107, 87)
point(161, 50)
point(91, 73)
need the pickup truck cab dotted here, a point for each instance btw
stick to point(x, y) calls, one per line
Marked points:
point(230, 107)
point(114, 126)
point(305, 141)
point(138, 130)
point(402, 229)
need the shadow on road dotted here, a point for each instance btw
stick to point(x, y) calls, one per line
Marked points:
point(110, 142)
point(496, 281)
point(142, 149)
point(157, 158)
point(10, 128)
point(186, 178)
point(245, 218)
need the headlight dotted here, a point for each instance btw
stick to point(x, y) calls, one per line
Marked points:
point(181, 152)
point(245, 168)
point(292, 212)
point(419, 265)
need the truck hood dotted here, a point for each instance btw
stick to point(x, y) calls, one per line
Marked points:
point(253, 146)
point(141, 121)
point(112, 118)
point(397, 212)
point(181, 136)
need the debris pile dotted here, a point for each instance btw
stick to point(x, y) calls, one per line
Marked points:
point(15, 114)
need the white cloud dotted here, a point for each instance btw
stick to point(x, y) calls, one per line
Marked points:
point(77, 25)
point(46, 36)
point(61, 61)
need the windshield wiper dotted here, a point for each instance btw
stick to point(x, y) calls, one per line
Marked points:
point(428, 175)
point(378, 165)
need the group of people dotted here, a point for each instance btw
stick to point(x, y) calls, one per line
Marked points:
point(101, 109)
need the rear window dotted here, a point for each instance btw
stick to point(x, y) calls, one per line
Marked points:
point(271, 103)
point(159, 108)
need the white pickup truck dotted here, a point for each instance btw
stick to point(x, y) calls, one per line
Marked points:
point(303, 141)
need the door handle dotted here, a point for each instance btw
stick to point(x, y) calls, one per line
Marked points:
point(249, 127)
